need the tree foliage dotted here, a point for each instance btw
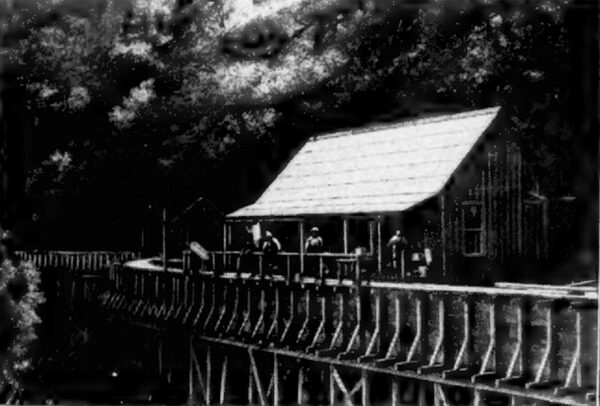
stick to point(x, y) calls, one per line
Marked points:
point(18, 318)
point(165, 90)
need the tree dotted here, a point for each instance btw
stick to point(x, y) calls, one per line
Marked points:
point(153, 94)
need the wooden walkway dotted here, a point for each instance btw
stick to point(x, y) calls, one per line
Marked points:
point(508, 344)
point(520, 342)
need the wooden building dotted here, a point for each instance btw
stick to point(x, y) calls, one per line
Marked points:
point(450, 184)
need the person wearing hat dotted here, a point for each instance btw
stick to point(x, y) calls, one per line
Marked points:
point(314, 242)
point(399, 245)
point(270, 247)
point(313, 245)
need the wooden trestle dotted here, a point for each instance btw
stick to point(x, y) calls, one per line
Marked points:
point(359, 340)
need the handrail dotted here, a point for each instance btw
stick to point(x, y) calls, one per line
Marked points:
point(292, 254)
point(418, 286)
point(571, 287)
point(481, 290)
point(77, 252)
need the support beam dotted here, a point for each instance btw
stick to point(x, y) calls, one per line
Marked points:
point(410, 356)
point(517, 354)
point(223, 381)
point(250, 386)
point(365, 401)
point(321, 327)
point(375, 337)
point(395, 389)
point(234, 314)
point(160, 357)
point(342, 387)
point(194, 361)
point(439, 342)
point(332, 393)
point(307, 317)
point(288, 323)
point(274, 327)
point(492, 340)
point(276, 396)
point(208, 376)
point(259, 388)
point(574, 372)
point(548, 351)
point(190, 400)
point(300, 388)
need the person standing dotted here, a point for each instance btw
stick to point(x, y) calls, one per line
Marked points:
point(399, 245)
point(248, 247)
point(313, 245)
point(314, 242)
point(270, 247)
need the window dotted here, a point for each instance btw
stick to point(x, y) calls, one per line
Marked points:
point(473, 241)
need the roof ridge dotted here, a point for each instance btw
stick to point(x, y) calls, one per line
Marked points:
point(405, 123)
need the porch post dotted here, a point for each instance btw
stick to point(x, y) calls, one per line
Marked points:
point(371, 236)
point(345, 235)
point(142, 240)
point(379, 257)
point(164, 239)
point(443, 221)
point(224, 245)
point(402, 263)
point(301, 234)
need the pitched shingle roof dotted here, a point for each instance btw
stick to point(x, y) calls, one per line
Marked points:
point(383, 169)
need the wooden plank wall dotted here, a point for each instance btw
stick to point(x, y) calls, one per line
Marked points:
point(499, 188)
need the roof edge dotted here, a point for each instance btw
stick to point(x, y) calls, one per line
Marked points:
point(407, 123)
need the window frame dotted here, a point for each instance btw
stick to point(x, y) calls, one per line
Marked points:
point(481, 252)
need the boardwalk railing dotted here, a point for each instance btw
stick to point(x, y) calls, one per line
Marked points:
point(81, 274)
point(517, 344)
point(84, 261)
point(286, 264)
